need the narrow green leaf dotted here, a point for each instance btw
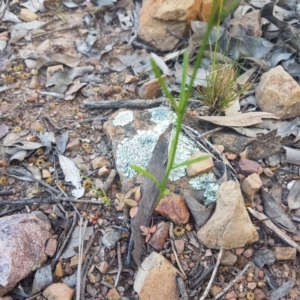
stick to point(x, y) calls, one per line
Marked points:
point(145, 173)
point(162, 83)
point(183, 99)
point(192, 161)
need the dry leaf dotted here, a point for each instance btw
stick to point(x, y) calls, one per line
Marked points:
point(240, 120)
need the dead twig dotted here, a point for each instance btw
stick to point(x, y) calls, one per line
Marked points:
point(110, 179)
point(174, 250)
point(181, 287)
point(203, 297)
point(234, 281)
point(139, 103)
point(119, 264)
point(274, 228)
point(7, 193)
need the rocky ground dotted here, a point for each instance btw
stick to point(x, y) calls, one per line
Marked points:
point(79, 103)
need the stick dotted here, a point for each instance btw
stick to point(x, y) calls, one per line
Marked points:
point(203, 297)
point(7, 193)
point(234, 281)
point(181, 287)
point(110, 179)
point(119, 264)
point(273, 227)
point(139, 103)
point(174, 250)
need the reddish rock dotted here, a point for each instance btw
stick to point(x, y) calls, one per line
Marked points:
point(239, 251)
point(248, 167)
point(231, 156)
point(230, 295)
point(74, 145)
point(58, 291)
point(103, 267)
point(174, 207)
point(59, 271)
point(106, 90)
point(22, 247)
point(51, 247)
point(259, 294)
point(160, 236)
point(179, 245)
point(150, 89)
point(248, 253)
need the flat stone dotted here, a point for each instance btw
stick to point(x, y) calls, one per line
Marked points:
point(264, 257)
point(278, 93)
point(27, 15)
point(75, 259)
point(103, 267)
point(250, 23)
point(113, 295)
point(159, 237)
point(285, 253)
point(231, 156)
point(230, 225)
point(130, 79)
point(150, 89)
point(251, 185)
point(58, 291)
point(22, 246)
point(200, 167)
point(179, 245)
point(106, 90)
point(259, 294)
point(74, 145)
point(215, 290)
point(251, 285)
point(46, 174)
point(148, 282)
point(51, 247)
point(228, 258)
point(248, 167)
point(174, 207)
point(232, 142)
point(59, 271)
point(99, 162)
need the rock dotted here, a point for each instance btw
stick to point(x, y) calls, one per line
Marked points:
point(248, 253)
point(248, 167)
point(74, 260)
point(6, 298)
point(215, 290)
point(148, 282)
point(130, 79)
point(110, 238)
point(51, 247)
point(231, 156)
point(251, 185)
point(27, 15)
point(160, 236)
point(232, 142)
point(99, 162)
point(179, 245)
point(230, 225)
point(74, 145)
point(200, 167)
point(228, 258)
point(285, 253)
point(174, 207)
point(251, 285)
point(103, 267)
point(58, 291)
point(105, 90)
point(259, 294)
point(103, 171)
point(273, 160)
point(150, 89)
point(46, 174)
point(250, 23)
point(113, 295)
point(278, 93)
point(264, 257)
point(230, 295)
point(22, 246)
point(59, 271)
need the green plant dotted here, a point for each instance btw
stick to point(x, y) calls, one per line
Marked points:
point(185, 92)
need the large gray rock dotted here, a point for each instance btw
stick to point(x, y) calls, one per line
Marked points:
point(22, 247)
point(279, 94)
point(230, 225)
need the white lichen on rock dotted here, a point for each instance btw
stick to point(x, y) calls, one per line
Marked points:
point(123, 118)
point(205, 181)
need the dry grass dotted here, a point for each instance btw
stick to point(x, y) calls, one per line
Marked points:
point(221, 90)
